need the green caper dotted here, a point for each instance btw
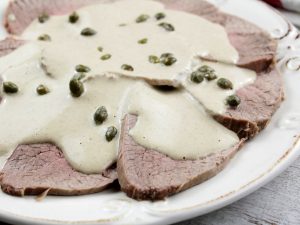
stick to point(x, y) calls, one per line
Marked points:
point(165, 55)
point(210, 76)
point(111, 133)
point(43, 18)
point(206, 69)
point(153, 59)
point(167, 59)
point(142, 18)
point(122, 24)
point(100, 115)
point(100, 49)
point(233, 100)
point(105, 57)
point(79, 76)
point(197, 77)
point(44, 37)
point(42, 90)
point(10, 87)
point(224, 83)
point(127, 67)
point(88, 32)
point(167, 26)
point(82, 68)
point(159, 16)
point(143, 41)
point(74, 17)
point(76, 87)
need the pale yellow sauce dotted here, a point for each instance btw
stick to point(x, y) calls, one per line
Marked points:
point(172, 123)
point(193, 36)
point(175, 124)
point(210, 94)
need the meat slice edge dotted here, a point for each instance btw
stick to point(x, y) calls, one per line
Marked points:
point(9, 44)
point(20, 13)
point(36, 168)
point(146, 174)
point(259, 101)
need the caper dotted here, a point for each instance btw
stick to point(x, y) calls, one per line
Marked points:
point(122, 24)
point(10, 87)
point(44, 37)
point(233, 100)
point(210, 76)
point(197, 77)
point(167, 26)
point(88, 32)
point(106, 57)
point(165, 55)
point(143, 41)
point(76, 87)
point(159, 16)
point(43, 18)
point(100, 49)
point(82, 68)
point(153, 59)
point(167, 59)
point(142, 18)
point(42, 90)
point(224, 83)
point(127, 67)
point(111, 133)
point(74, 17)
point(79, 76)
point(206, 69)
point(100, 115)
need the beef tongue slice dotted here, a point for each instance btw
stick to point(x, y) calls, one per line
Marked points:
point(34, 169)
point(259, 101)
point(256, 48)
point(146, 174)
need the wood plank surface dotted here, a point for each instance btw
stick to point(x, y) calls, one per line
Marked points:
point(277, 203)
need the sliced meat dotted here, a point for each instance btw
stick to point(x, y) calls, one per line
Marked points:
point(8, 45)
point(34, 169)
point(20, 13)
point(259, 101)
point(256, 48)
point(146, 174)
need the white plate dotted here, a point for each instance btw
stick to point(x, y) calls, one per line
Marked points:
point(256, 164)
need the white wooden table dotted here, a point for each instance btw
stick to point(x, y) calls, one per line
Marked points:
point(277, 203)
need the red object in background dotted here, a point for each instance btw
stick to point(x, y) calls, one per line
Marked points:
point(276, 3)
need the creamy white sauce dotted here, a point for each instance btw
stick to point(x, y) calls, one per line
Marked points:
point(210, 94)
point(193, 36)
point(172, 123)
point(60, 118)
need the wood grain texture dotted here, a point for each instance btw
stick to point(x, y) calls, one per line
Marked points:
point(277, 203)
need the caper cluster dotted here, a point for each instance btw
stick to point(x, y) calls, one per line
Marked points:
point(208, 73)
point(166, 59)
point(203, 72)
